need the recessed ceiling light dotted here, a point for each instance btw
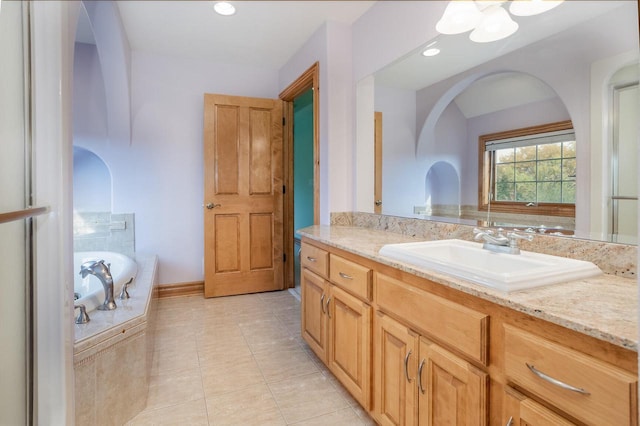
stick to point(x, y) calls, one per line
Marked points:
point(224, 8)
point(431, 52)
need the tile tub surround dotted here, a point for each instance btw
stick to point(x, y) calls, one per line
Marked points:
point(603, 307)
point(113, 354)
point(104, 231)
point(614, 259)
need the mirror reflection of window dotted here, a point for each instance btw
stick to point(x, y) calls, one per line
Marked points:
point(530, 170)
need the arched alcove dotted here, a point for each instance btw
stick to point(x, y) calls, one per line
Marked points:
point(442, 188)
point(91, 182)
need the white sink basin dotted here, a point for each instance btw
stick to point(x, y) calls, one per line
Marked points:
point(501, 271)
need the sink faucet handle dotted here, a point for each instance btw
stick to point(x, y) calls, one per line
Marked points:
point(124, 294)
point(477, 231)
point(515, 236)
point(83, 316)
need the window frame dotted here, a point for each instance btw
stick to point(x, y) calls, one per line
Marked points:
point(484, 176)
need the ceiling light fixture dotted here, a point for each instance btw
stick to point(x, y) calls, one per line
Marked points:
point(496, 24)
point(224, 8)
point(459, 17)
point(487, 18)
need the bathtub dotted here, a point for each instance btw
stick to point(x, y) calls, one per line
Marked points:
point(89, 291)
point(113, 353)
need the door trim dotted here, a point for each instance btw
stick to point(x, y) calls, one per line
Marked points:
point(309, 79)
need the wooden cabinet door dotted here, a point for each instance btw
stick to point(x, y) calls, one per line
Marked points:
point(522, 411)
point(313, 312)
point(451, 390)
point(395, 365)
point(350, 344)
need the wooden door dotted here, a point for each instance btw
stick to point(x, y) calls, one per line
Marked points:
point(242, 195)
point(522, 411)
point(395, 365)
point(313, 307)
point(350, 344)
point(452, 392)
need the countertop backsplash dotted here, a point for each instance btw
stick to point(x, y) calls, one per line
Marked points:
point(612, 258)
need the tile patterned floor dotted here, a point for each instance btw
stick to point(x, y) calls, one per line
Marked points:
point(240, 361)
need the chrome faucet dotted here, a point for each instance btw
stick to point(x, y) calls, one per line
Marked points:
point(103, 273)
point(500, 243)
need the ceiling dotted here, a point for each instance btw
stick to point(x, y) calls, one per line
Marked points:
point(261, 33)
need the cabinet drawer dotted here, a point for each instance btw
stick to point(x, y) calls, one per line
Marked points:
point(458, 326)
point(315, 259)
point(600, 393)
point(350, 276)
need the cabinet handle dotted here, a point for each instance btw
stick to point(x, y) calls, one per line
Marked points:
point(322, 303)
point(420, 367)
point(327, 306)
point(406, 366)
point(345, 276)
point(556, 381)
point(311, 259)
point(510, 421)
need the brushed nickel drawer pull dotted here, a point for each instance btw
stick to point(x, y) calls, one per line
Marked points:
point(420, 367)
point(406, 366)
point(311, 259)
point(556, 381)
point(322, 303)
point(345, 276)
point(510, 421)
point(327, 306)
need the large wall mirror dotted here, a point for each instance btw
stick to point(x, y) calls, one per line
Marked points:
point(577, 63)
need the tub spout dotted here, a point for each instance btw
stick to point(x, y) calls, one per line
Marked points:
point(102, 272)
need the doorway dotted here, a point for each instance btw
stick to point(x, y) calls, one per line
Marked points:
point(301, 164)
point(302, 172)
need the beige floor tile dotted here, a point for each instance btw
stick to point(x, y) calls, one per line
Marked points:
point(175, 359)
point(192, 413)
point(251, 406)
point(174, 339)
point(343, 417)
point(174, 389)
point(272, 341)
point(306, 397)
point(230, 375)
point(281, 365)
point(218, 351)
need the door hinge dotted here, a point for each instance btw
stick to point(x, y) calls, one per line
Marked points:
point(283, 121)
point(284, 257)
point(284, 189)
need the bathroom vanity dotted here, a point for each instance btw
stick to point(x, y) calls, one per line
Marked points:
point(414, 346)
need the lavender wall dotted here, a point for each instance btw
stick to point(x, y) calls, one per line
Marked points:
point(331, 46)
point(399, 167)
point(159, 176)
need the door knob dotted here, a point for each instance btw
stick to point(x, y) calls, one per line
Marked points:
point(212, 205)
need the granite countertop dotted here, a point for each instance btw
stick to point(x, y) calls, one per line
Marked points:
point(604, 307)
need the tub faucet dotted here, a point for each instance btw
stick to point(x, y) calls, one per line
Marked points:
point(102, 272)
point(500, 243)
